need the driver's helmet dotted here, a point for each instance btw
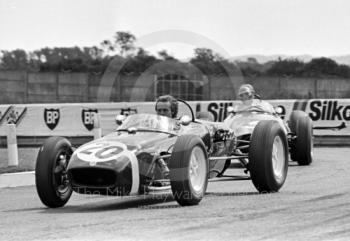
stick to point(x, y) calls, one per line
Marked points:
point(246, 92)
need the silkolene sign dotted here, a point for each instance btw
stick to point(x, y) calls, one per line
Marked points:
point(318, 110)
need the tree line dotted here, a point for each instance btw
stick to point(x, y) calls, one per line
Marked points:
point(136, 60)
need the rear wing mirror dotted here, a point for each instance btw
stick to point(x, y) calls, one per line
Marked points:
point(280, 111)
point(230, 109)
point(185, 120)
point(119, 119)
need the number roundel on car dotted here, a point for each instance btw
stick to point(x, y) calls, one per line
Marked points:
point(101, 151)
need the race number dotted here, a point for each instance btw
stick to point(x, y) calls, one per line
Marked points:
point(100, 152)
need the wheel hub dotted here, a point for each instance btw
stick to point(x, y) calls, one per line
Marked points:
point(278, 158)
point(197, 169)
point(61, 178)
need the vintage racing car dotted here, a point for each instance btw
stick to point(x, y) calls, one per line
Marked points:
point(150, 153)
point(298, 130)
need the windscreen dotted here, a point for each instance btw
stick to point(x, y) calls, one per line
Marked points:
point(150, 122)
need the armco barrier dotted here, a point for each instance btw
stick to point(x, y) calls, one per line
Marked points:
point(35, 122)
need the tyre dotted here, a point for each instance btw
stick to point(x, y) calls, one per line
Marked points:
point(189, 170)
point(301, 149)
point(205, 116)
point(268, 156)
point(52, 184)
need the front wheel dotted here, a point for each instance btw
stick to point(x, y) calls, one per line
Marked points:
point(51, 179)
point(189, 170)
point(268, 156)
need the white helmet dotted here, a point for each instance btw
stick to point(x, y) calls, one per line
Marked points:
point(246, 91)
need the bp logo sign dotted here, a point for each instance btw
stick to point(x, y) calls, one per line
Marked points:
point(87, 117)
point(51, 117)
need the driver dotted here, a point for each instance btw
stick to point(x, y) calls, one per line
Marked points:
point(246, 94)
point(166, 105)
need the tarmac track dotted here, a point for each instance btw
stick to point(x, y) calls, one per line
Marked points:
point(313, 204)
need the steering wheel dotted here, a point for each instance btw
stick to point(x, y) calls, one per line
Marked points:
point(256, 109)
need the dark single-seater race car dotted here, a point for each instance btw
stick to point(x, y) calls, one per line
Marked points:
point(298, 131)
point(150, 153)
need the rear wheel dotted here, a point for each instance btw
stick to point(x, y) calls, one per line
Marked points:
point(52, 184)
point(302, 146)
point(268, 156)
point(189, 170)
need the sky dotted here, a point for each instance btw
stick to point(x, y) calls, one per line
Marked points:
point(230, 27)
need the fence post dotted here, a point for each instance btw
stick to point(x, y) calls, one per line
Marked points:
point(57, 87)
point(155, 83)
point(26, 87)
point(87, 87)
point(12, 145)
point(97, 126)
point(316, 88)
